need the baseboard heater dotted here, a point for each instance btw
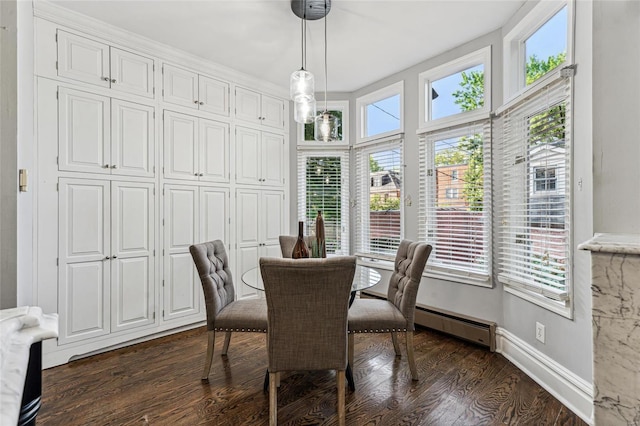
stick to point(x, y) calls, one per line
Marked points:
point(464, 327)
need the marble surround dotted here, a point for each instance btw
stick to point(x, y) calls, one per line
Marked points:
point(615, 276)
point(19, 329)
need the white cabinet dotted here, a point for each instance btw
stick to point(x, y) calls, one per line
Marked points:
point(260, 158)
point(192, 214)
point(260, 223)
point(192, 90)
point(195, 148)
point(259, 108)
point(98, 134)
point(106, 257)
point(90, 61)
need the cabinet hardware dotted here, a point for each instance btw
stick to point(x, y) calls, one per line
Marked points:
point(195, 174)
point(201, 174)
point(105, 78)
point(115, 257)
point(107, 258)
point(106, 166)
point(113, 80)
point(114, 166)
point(200, 103)
point(195, 102)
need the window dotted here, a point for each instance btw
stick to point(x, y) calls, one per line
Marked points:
point(536, 201)
point(456, 92)
point(323, 185)
point(537, 45)
point(340, 109)
point(379, 174)
point(380, 113)
point(455, 201)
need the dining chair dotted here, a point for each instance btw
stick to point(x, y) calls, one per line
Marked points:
point(287, 242)
point(397, 313)
point(224, 313)
point(307, 304)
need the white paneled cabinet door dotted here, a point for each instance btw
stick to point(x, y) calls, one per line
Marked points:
point(248, 237)
point(180, 146)
point(84, 259)
point(83, 131)
point(131, 73)
point(248, 160)
point(181, 282)
point(132, 139)
point(271, 217)
point(180, 86)
point(272, 158)
point(213, 95)
point(82, 59)
point(214, 215)
point(272, 112)
point(248, 105)
point(133, 257)
point(213, 151)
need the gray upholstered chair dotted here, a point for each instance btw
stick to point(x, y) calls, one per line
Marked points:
point(307, 303)
point(397, 313)
point(287, 242)
point(224, 313)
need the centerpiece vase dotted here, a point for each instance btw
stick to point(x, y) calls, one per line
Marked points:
point(300, 249)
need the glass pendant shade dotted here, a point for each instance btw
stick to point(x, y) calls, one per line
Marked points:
point(304, 110)
point(301, 85)
point(326, 127)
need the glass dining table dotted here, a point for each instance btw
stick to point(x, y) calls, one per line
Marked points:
point(364, 278)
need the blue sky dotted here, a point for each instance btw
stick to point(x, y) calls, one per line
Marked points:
point(549, 40)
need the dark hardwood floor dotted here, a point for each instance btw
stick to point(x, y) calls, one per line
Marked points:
point(158, 383)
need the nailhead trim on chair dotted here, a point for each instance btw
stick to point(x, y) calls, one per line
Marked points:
point(386, 330)
point(255, 330)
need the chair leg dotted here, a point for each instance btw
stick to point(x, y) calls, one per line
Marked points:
point(227, 340)
point(273, 399)
point(410, 356)
point(396, 347)
point(207, 362)
point(341, 405)
point(351, 344)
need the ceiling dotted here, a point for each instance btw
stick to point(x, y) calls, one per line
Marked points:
point(367, 39)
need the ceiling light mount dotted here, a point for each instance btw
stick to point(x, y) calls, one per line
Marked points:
point(315, 9)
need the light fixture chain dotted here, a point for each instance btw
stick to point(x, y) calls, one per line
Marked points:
point(325, 55)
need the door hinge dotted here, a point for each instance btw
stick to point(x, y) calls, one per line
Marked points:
point(154, 114)
point(163, 93)
point(57, 160)
point(163, 225)
point(154, 191)
point(154, 252)
point(229, 221)
point(163, 255)
point(57, 187)
point(154, 315)
point(57, 94)
point(56, 65)
point(163, 191)
point(56, 37)
point(153, 91)
point(57, 261)
point(153, 68)
point(154, 169)
point(162, 283)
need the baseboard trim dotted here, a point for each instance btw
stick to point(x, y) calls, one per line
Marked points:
point(573, 391)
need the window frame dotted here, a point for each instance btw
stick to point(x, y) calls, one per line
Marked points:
point(342, 106)
point(362, 184)
point(361, 111)
point(345, 217)
point(425, 79)
point(514, 55)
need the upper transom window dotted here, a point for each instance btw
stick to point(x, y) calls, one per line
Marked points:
point(380, 113)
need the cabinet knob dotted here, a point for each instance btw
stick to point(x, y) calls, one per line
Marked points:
point(115, 257)
point(113, 80)
point(114, 166)
point(106, 258)
point(201, 103)
point(201, 174)
point(195, 174)
point(105, 78)
point(106, 166)
point(195, 102)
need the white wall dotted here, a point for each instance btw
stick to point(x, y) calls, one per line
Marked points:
point(616, 116)
point(8, 153)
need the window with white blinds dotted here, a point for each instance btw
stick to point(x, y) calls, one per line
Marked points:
point(323, 185)
point(379, 174)
point(455, 199)
point(535, 235)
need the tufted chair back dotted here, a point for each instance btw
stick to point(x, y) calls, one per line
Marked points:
point(212, 264)
point(410, 260)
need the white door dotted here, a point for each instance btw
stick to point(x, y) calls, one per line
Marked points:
point(213, 95)
point(83, 59)
point(84, 259)
point(133, 257)
point(83, 131)
point(181, 283)
point(131, 73)
point(272, 112)
point(214, 215)
point(180, 86)
point(214, 151)
point(180, 146)
point(273, 161)
point(248, 237)
point(132, 138)
point(271, 217)
point(248, 154)
point(248, 105)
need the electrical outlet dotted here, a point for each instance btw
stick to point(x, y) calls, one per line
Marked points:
point(540, 332)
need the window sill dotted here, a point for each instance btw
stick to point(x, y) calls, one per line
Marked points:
point(560, 308)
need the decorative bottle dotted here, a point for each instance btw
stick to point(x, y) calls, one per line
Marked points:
point(300, 250)
point(320, 235)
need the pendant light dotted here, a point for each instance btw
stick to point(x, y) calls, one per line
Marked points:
point(325, 127)
point(302, 84)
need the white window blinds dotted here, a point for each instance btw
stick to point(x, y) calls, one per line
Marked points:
point(536, 191)
point(379, 195)
point(455, 199)
point(323, 185)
